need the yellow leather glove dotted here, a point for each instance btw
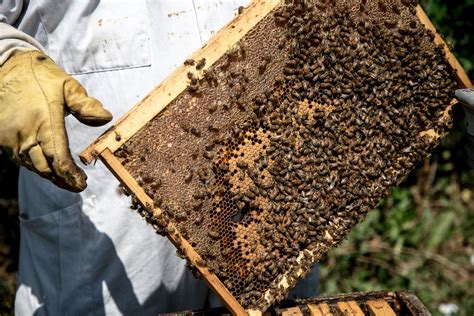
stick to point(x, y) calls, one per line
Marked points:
point(35, 95)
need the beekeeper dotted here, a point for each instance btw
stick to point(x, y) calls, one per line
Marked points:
point(466, 96)
point(87, 253)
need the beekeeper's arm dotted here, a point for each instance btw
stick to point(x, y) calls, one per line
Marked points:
point(35, 95)
point(466, 96)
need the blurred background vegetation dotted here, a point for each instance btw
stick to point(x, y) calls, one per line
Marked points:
point(420, 239)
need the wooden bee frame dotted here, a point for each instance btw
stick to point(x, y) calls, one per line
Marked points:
point(158, 99)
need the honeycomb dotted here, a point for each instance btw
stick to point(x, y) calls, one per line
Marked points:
point(278, 149)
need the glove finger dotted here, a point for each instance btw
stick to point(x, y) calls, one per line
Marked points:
point(65, 173)
point(39, 161)
point(86, 109)
point(21, 159)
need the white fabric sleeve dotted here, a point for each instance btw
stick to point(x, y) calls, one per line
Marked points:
point(11, 39)
point(466, 96)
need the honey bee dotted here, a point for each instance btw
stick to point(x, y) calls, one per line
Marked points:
point(189, 62)
point(201, 63)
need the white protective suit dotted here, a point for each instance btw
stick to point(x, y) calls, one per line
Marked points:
point(89, 253)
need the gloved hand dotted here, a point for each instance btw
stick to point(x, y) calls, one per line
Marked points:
point(466, 96)
point(35, 95)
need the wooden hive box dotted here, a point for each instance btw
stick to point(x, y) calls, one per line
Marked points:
point(353, 304)
point(262, 151)
point(358, 304)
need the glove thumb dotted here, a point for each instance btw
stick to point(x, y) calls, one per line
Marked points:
point(86, 109)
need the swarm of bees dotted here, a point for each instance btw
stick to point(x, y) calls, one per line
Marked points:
point(278, 171)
